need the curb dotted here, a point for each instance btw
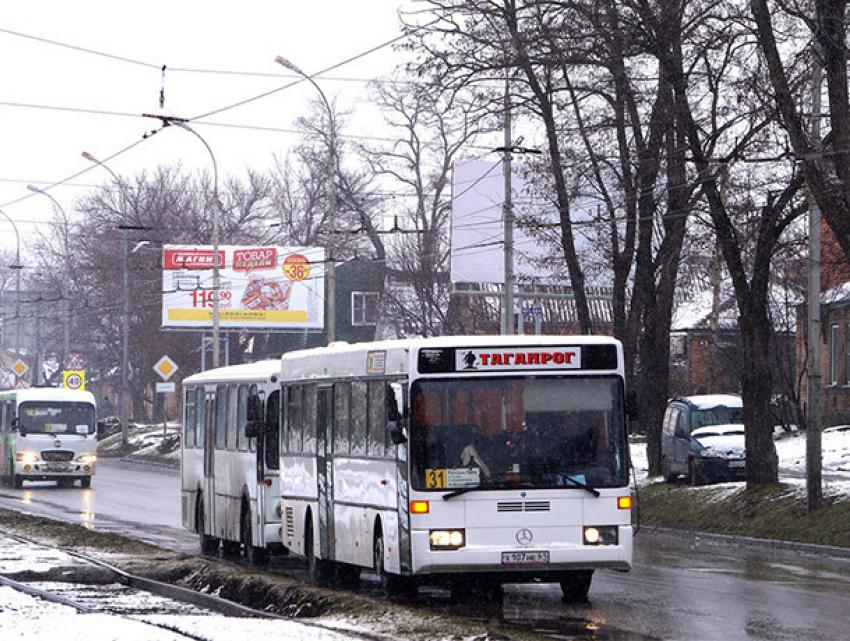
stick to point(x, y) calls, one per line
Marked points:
point(748, 541)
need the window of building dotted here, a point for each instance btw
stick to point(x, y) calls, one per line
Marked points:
point(833, 354)
point(847, 354)
point(364, 308)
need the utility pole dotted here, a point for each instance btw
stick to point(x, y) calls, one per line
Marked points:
point(814, 418)
point(508, 326)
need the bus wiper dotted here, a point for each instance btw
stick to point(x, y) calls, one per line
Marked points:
point(576, 483)
point(463, 490)
point(459, 491)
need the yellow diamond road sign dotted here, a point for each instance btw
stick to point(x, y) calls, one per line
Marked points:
point(165, 367)
point(20, 368)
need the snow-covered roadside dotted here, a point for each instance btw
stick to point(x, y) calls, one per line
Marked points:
point(791, 450)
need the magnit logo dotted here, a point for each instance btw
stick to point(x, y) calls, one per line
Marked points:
point(190, 259)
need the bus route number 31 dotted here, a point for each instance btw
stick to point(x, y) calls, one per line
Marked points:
point(452, 478)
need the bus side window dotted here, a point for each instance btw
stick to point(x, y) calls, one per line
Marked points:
point(242, 419)
point(200, 409)
point(342, 417)
point(358, 418)
point(377, 419)
point(232, 417)
point(221, 418)
point(272, 440)
point(310, 443)
point(189, 419)
point(295, 414)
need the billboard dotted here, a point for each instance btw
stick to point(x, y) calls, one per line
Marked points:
point(261, 287)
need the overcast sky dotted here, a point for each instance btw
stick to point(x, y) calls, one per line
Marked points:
point(76, 75)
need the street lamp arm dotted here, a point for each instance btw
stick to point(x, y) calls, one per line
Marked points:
point(292, 67)
point(17, 239)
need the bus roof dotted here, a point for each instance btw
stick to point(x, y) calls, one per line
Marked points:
point(264, 370)
point(49, 394)
point(347, 359)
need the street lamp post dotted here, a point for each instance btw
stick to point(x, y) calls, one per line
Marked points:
point(66, 346)
point(125, 324)
point(331, 189)
point(217, 209)
point(17, 267)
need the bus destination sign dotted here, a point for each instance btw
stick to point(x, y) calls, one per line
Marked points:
point(510, 359)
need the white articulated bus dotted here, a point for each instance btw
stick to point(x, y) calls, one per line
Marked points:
point(466, 460)
point(230, 457)
point(48, 434)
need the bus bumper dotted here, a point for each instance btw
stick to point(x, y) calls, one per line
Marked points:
point(44, 471)
point(501, 555)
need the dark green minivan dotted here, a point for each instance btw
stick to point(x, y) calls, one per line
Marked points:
point(703, 438)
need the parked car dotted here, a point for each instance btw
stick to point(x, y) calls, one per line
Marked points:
point(703, 438)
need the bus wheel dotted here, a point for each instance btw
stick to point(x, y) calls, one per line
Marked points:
point(17, 482)
point(392, 584)
point(85, 481)
point(209, 544)
point(253, 554)
point(575, 585)
point(320, 570)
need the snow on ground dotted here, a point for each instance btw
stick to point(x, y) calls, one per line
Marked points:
point(791, 450)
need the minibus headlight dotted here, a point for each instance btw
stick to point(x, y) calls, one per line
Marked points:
point(447, 539)
point(88, 459)
point(27, 457)
point(601, 535)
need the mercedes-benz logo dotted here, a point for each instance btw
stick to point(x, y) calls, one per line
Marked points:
point(524, 536)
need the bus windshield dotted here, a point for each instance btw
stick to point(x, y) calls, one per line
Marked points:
point(529, 432)
point(53, 417)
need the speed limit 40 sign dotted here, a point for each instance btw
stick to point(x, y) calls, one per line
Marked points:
point(72, 379)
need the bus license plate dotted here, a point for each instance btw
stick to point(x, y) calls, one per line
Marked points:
point(525, 558)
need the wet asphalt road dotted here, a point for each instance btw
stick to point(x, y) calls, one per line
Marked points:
point(679, 589)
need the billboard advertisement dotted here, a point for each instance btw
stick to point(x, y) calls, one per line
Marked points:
point(261, 287)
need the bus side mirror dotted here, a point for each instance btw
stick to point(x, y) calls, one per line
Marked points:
point(632, 412)
point(255, 408)
point(395, 402)
point(397, 435)
point(255, 425)
point(396, 413)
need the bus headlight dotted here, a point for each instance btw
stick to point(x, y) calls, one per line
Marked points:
point(88, 459)
point(26, 457)
point(601, 535)
point(447, 539)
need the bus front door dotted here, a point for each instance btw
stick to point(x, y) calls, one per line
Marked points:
point(208, 483)
point(324, 437)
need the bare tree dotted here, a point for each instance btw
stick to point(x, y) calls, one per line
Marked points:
point(433, 128)
point(81, 261)
point(827, 174)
